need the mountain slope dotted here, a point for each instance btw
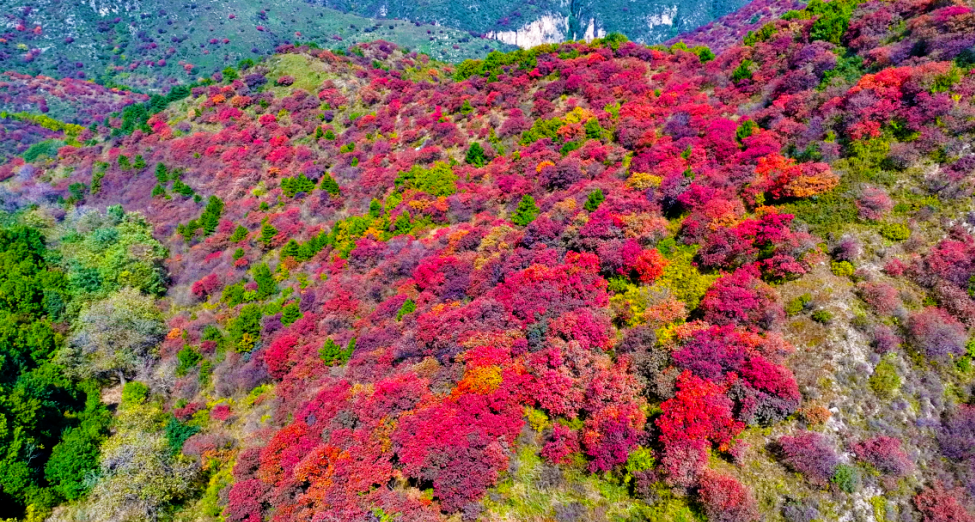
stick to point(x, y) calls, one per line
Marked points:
point(586, 281)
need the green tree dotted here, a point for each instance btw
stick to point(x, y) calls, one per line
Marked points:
point(239, 234)
point(266, 286)
point(594, 199)
point(114, 337)
point(334, 355)
point(162, 174)
point(211, 215)
point(75, 458)
point(475, 155)
point(743, 71)
point(526, 211)
point(187, 359)
point(409, 306)
point(329, 185)
point(245, 329)
point(290, 313)
point(403, 223)
point(267, 233)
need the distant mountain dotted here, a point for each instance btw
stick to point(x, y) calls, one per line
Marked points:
point(152, 45)
point(544, 21)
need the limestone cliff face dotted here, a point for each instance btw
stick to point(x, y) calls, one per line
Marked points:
point(549, 28)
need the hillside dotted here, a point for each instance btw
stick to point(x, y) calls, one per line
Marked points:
point(585, 281)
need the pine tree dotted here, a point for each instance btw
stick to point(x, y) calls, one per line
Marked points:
point(267, 233)
point(329, 185)
point(595, 199)
point(475, 155)
point(526, 212)
point(375, 208)
point(161, 173)
point(239, 234)
point(266, 286)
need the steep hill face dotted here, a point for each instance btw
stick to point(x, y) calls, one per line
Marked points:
point(585, 281)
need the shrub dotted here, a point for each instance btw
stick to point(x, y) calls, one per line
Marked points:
point(134, 392)
point(938, 504)
point(842, 268)
point(885, 381)
point(884, 454)
point(874, 203)
point(809, 454)
point(742, 299)
point(594, 199)
point(846, 478)
point(895, 231)
point(957, 434)
point(562, 443)
point(936, 334)
point(726, 500)
point(798, 304)
point(822, 316)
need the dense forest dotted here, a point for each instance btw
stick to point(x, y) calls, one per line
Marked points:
point(583, 281)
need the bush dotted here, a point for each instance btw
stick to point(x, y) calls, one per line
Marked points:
point(885, 381)
point(936, 334)
point(938, 504)
point(957, 434)
point(884, 454)
point(809, 454)
point(798, 304)
point(594, 199)
point(134, 392)
point(846, 478)
point(895, 231)
point(842, 268)
point(726, 500)
point(822, 316)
